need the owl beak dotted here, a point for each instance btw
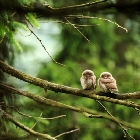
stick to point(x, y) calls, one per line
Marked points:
point(105, 77)
point(86, 77)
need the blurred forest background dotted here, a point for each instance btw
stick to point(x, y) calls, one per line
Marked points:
point(110, 49)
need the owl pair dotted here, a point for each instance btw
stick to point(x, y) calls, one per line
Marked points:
point(106, 82)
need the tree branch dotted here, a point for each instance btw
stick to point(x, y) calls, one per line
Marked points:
point(11, 119)
point(75, 6)
point(77, 30)
point(84, 111)
point(67, 133)
point(68, 90)
point(97, 6)
point(34, 116)
point(46, 101)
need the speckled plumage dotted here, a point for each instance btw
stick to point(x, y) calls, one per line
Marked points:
point(107, 83)
point(88, 80)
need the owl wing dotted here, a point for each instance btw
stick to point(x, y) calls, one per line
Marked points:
point(83, 83)
point(94, 81)
point(109, 83)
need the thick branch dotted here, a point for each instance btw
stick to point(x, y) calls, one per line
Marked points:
point(46, 101)
point(86, 112)
point(11, 119)
point(68, 90)
point(97, 6)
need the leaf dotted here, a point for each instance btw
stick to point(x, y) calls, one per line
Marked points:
point(33, 20)
point(20, 25)
point(16, 44)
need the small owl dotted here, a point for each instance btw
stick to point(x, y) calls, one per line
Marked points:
point(107, 83)
point(88, 80)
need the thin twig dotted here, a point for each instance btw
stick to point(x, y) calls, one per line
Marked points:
point(25, 35)
point(77, 30)
point(27, 129)
point(36, 117)
point(88, 17)
point(80, 25)
point(2, 37)
point(74, 6)
point(45, 48)
point(26, 134)
point(67, 132)
point(43, 44)
point(54, 117)
point(124, 129)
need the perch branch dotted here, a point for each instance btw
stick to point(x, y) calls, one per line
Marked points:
point(46, 101)
point(84, 111)
point(68, 90)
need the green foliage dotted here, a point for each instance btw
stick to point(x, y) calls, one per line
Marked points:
point(111, 49)
point(32, 20)
point(105, 53)
point(9, 22)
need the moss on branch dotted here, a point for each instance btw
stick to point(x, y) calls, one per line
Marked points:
point(73, 91)
point(84, 111)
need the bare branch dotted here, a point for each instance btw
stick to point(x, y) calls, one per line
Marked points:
point(45, 100)
point(66, 133)
point(84, 111)
point(26, 134)
point(43, 45)
point(124, 129)
point(78, 25)
point(88, 17)
point(33, 116)
point(77, 30)
point(32, 132)
point(63, 89)
point(122, 96)
point(95, 7)
point(74, 6)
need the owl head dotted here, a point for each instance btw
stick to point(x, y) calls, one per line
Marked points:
point(88, 73)
point(105, 75)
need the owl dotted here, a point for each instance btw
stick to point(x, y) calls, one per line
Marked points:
point(107, 83)
point(88, 80)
